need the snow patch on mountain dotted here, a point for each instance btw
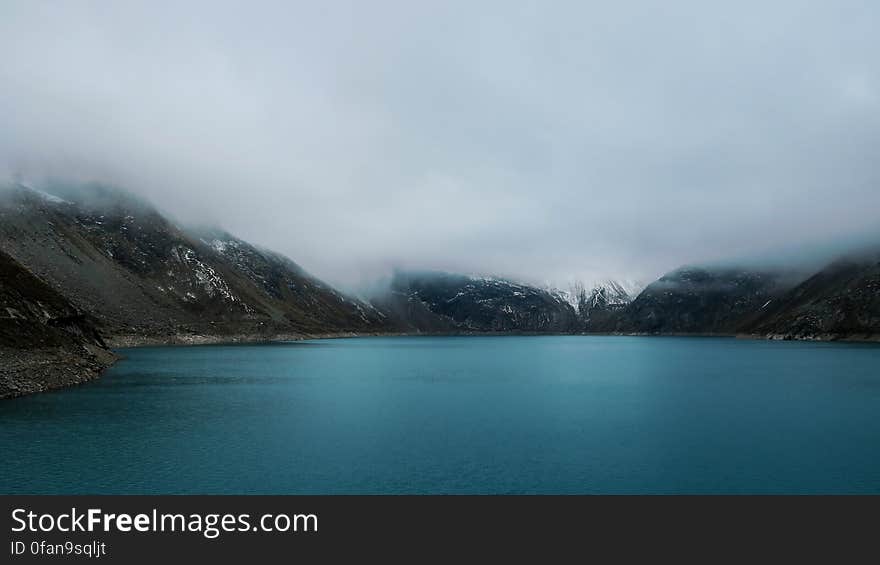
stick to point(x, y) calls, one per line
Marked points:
point(610, 292)
point(206, 277)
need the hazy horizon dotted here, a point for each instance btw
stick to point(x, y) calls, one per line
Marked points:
point(547, 143)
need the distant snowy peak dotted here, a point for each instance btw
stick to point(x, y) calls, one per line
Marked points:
point(606, 292)
point(567, 296)
point(631, 287)
point(610, 293)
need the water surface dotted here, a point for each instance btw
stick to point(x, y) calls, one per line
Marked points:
point(568, 414)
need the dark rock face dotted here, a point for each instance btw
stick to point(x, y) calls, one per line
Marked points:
point(842, 301)
point(432, 301)
point(45, 342)
point(695, 300)
point(142, 276)
point(302, 300)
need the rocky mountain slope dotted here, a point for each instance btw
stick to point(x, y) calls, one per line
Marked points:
point(45, 342)
point(145, 278)
point(841, 301)
point(444, 302)
point(700, 300)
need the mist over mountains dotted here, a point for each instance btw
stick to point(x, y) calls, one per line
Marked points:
point(92, 267)
point(582, 141)
point(138, 271)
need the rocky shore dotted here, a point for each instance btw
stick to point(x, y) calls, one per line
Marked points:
point(27, 371)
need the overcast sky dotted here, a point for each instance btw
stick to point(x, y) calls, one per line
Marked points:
point(542, 140)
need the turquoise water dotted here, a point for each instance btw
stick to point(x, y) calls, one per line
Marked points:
point(459, 415)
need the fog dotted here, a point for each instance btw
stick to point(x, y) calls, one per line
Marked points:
point(543, 141)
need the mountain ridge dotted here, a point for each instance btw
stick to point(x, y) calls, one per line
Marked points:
point(142, 275)
point(424, 301)
point(840, 301)
point(111, 269)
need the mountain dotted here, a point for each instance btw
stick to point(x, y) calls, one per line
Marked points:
point(599, 307)
point(135, 276)
point(841, 301)
point(45, 341)
point(443, 302)
point(301, 299)
point(701, 300)
point(145, 278)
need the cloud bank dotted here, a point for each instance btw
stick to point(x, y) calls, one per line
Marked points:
point(544, 141)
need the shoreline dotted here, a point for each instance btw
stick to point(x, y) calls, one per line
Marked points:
point(185, 340)
point(32, 371)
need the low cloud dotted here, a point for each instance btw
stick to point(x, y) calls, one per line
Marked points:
point(546, 142)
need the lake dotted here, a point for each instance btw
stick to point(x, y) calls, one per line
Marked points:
point(544, 414)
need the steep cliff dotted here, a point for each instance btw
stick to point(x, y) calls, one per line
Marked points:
point(45, 341)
